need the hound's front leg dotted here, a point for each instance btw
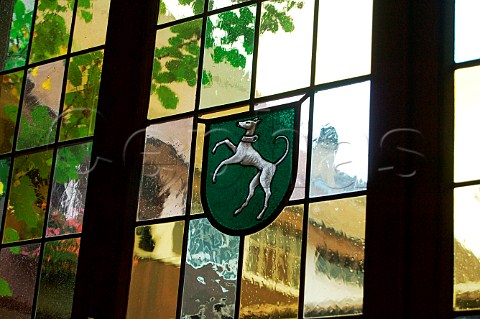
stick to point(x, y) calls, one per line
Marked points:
point(227, 142)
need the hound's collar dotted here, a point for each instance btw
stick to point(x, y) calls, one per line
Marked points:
point(249, 139)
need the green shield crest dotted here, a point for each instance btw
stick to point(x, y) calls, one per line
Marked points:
point(249, 167)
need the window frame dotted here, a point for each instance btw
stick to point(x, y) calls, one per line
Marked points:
point(409, 230)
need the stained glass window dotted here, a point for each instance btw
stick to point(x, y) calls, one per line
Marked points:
point(51, 61)
point(252, 195)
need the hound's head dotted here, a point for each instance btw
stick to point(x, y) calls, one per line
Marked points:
point(249, 124)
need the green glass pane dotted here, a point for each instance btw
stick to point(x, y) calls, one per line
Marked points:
point(15, 29)
point(227, 67)
point(467, 130)
point(271, 268)
point(467, 248)
point(210, 280)
point(335, 258)
point(41, 104)
point(18, 274)
point(81, 96)
point(10, 88)
point(57, 279)
point(344, 39)
point(90, 24)
point(175, 69)
point(156, 271)
point(340, 140)
point(4, 171)
point(286, 34)
point(467, 27)
point(69, 190)
point(172, 10)
point(52, 29)
point(28, 197)
point(163, 187)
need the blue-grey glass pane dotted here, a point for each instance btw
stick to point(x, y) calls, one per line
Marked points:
point(163, 188)
point(227, 65)
point(340, 140)
point(335, 258)
point(18, 273)
point(467, 28)
point(210, 280)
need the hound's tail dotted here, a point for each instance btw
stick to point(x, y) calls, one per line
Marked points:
point(286, 150)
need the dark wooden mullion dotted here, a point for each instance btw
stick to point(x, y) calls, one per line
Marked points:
point(108, 233)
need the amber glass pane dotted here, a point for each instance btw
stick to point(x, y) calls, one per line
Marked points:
point(344, 39)
point(335, 258)
point(163, 188)
point(467, 27)
point(467, 248)
point(467, 130)
point(16, 30)
point(340, 140)
point(57, 280)
point(196, 207)
point(286, 34)
point(172, 10)
point(10, 88)
point(271, 268)
point(81, 97)
point(52, 29)
point(228, 57)
point(90, 24)
point(41, 104)
point(155, 271)
point(18, 273)
point(27, 200)
point(69, 190)
point(175, 69)
point(4, 171)
point(210, 281)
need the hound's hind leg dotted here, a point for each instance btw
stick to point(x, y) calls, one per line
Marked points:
point(251, 190)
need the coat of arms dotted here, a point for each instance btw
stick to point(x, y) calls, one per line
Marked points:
point(249, 168)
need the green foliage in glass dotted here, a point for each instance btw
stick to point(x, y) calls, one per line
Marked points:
point(79, 114)
point(19, 36)
point(4, 170)
point(5, 290)
point(238, 29)
point(37, 129)
point(10, 88)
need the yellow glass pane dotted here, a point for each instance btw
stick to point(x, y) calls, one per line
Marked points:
point(156, 271)
point(467, 248)
point(335, 258)
point(467, 130)
point(271, 268)
point(90, 24)
point(344, 39)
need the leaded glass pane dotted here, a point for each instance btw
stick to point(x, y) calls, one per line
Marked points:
point(4, 173)
point(10, 89)
point(171, 10)
point(90, 24)
point(467, 27)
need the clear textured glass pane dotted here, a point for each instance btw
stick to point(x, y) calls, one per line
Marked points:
point(344, 39)
point(467, 130)
point(27, 199)
point(15, 28)
point(175, 69)
point(467, 248)
point(18, 273)
point(210, 281)
point(69, 190)
point(300, 181)
point(52, 29)
point(10, 88)
point(81, 97)
point(41, 104)
point(155, 271)
point(286, 34)
point(4, 171)
point(227, 67)
point(171, 10)
point(335, 258)
point(467, 27)
point(340, 140)
point(271, 268)
point(218, 4)
point(90, 24)
point(57, 280)
point(163, 188)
